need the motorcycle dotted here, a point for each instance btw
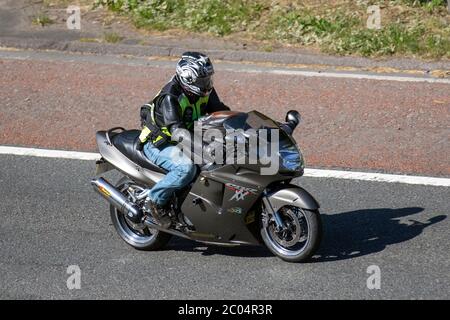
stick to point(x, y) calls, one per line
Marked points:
point(226, 204)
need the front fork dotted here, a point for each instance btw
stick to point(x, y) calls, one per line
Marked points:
point(269, 209)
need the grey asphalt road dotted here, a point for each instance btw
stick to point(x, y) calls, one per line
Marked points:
point(51, 218)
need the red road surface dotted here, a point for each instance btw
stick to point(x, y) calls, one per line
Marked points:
point(359, 124)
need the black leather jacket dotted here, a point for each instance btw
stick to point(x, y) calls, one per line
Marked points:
point(168, 109)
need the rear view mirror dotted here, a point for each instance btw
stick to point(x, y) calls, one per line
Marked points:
point(293, 117)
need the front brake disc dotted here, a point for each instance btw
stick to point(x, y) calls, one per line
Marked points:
point(291, 234)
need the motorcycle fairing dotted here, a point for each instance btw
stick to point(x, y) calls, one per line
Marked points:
point(221, 202)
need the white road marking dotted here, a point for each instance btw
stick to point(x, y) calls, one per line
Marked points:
point(318, 173)
point(381, 177)
point(355, 76)
point(47, 153)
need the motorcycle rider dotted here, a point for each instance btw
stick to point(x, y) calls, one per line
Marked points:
point(188, 96)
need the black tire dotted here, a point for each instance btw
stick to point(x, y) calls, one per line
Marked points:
point(312, 242)
point(146, 239)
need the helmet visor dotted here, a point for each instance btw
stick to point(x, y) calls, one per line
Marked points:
point(204, 84)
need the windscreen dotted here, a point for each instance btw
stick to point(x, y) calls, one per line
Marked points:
point(251, 120)
point(256, 120)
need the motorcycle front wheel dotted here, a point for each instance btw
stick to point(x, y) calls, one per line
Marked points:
point(138, 236)
point(300, 238)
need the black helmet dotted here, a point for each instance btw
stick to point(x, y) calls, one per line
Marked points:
point(195, 73)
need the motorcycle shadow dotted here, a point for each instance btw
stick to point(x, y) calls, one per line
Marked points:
point(346, 235)
point(178, 244)
point(358, 233)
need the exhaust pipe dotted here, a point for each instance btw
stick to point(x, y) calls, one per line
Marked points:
point(114, 197)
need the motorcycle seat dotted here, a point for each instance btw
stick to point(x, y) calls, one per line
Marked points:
point(127, 142)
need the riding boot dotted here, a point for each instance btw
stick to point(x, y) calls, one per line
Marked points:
point(159, 213)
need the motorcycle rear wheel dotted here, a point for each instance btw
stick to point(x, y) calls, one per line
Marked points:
point(301, 238)
point(141, 238)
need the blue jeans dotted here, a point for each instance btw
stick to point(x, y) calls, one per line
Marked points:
point(181, 171)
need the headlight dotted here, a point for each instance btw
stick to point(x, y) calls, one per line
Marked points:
point(291, 158)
